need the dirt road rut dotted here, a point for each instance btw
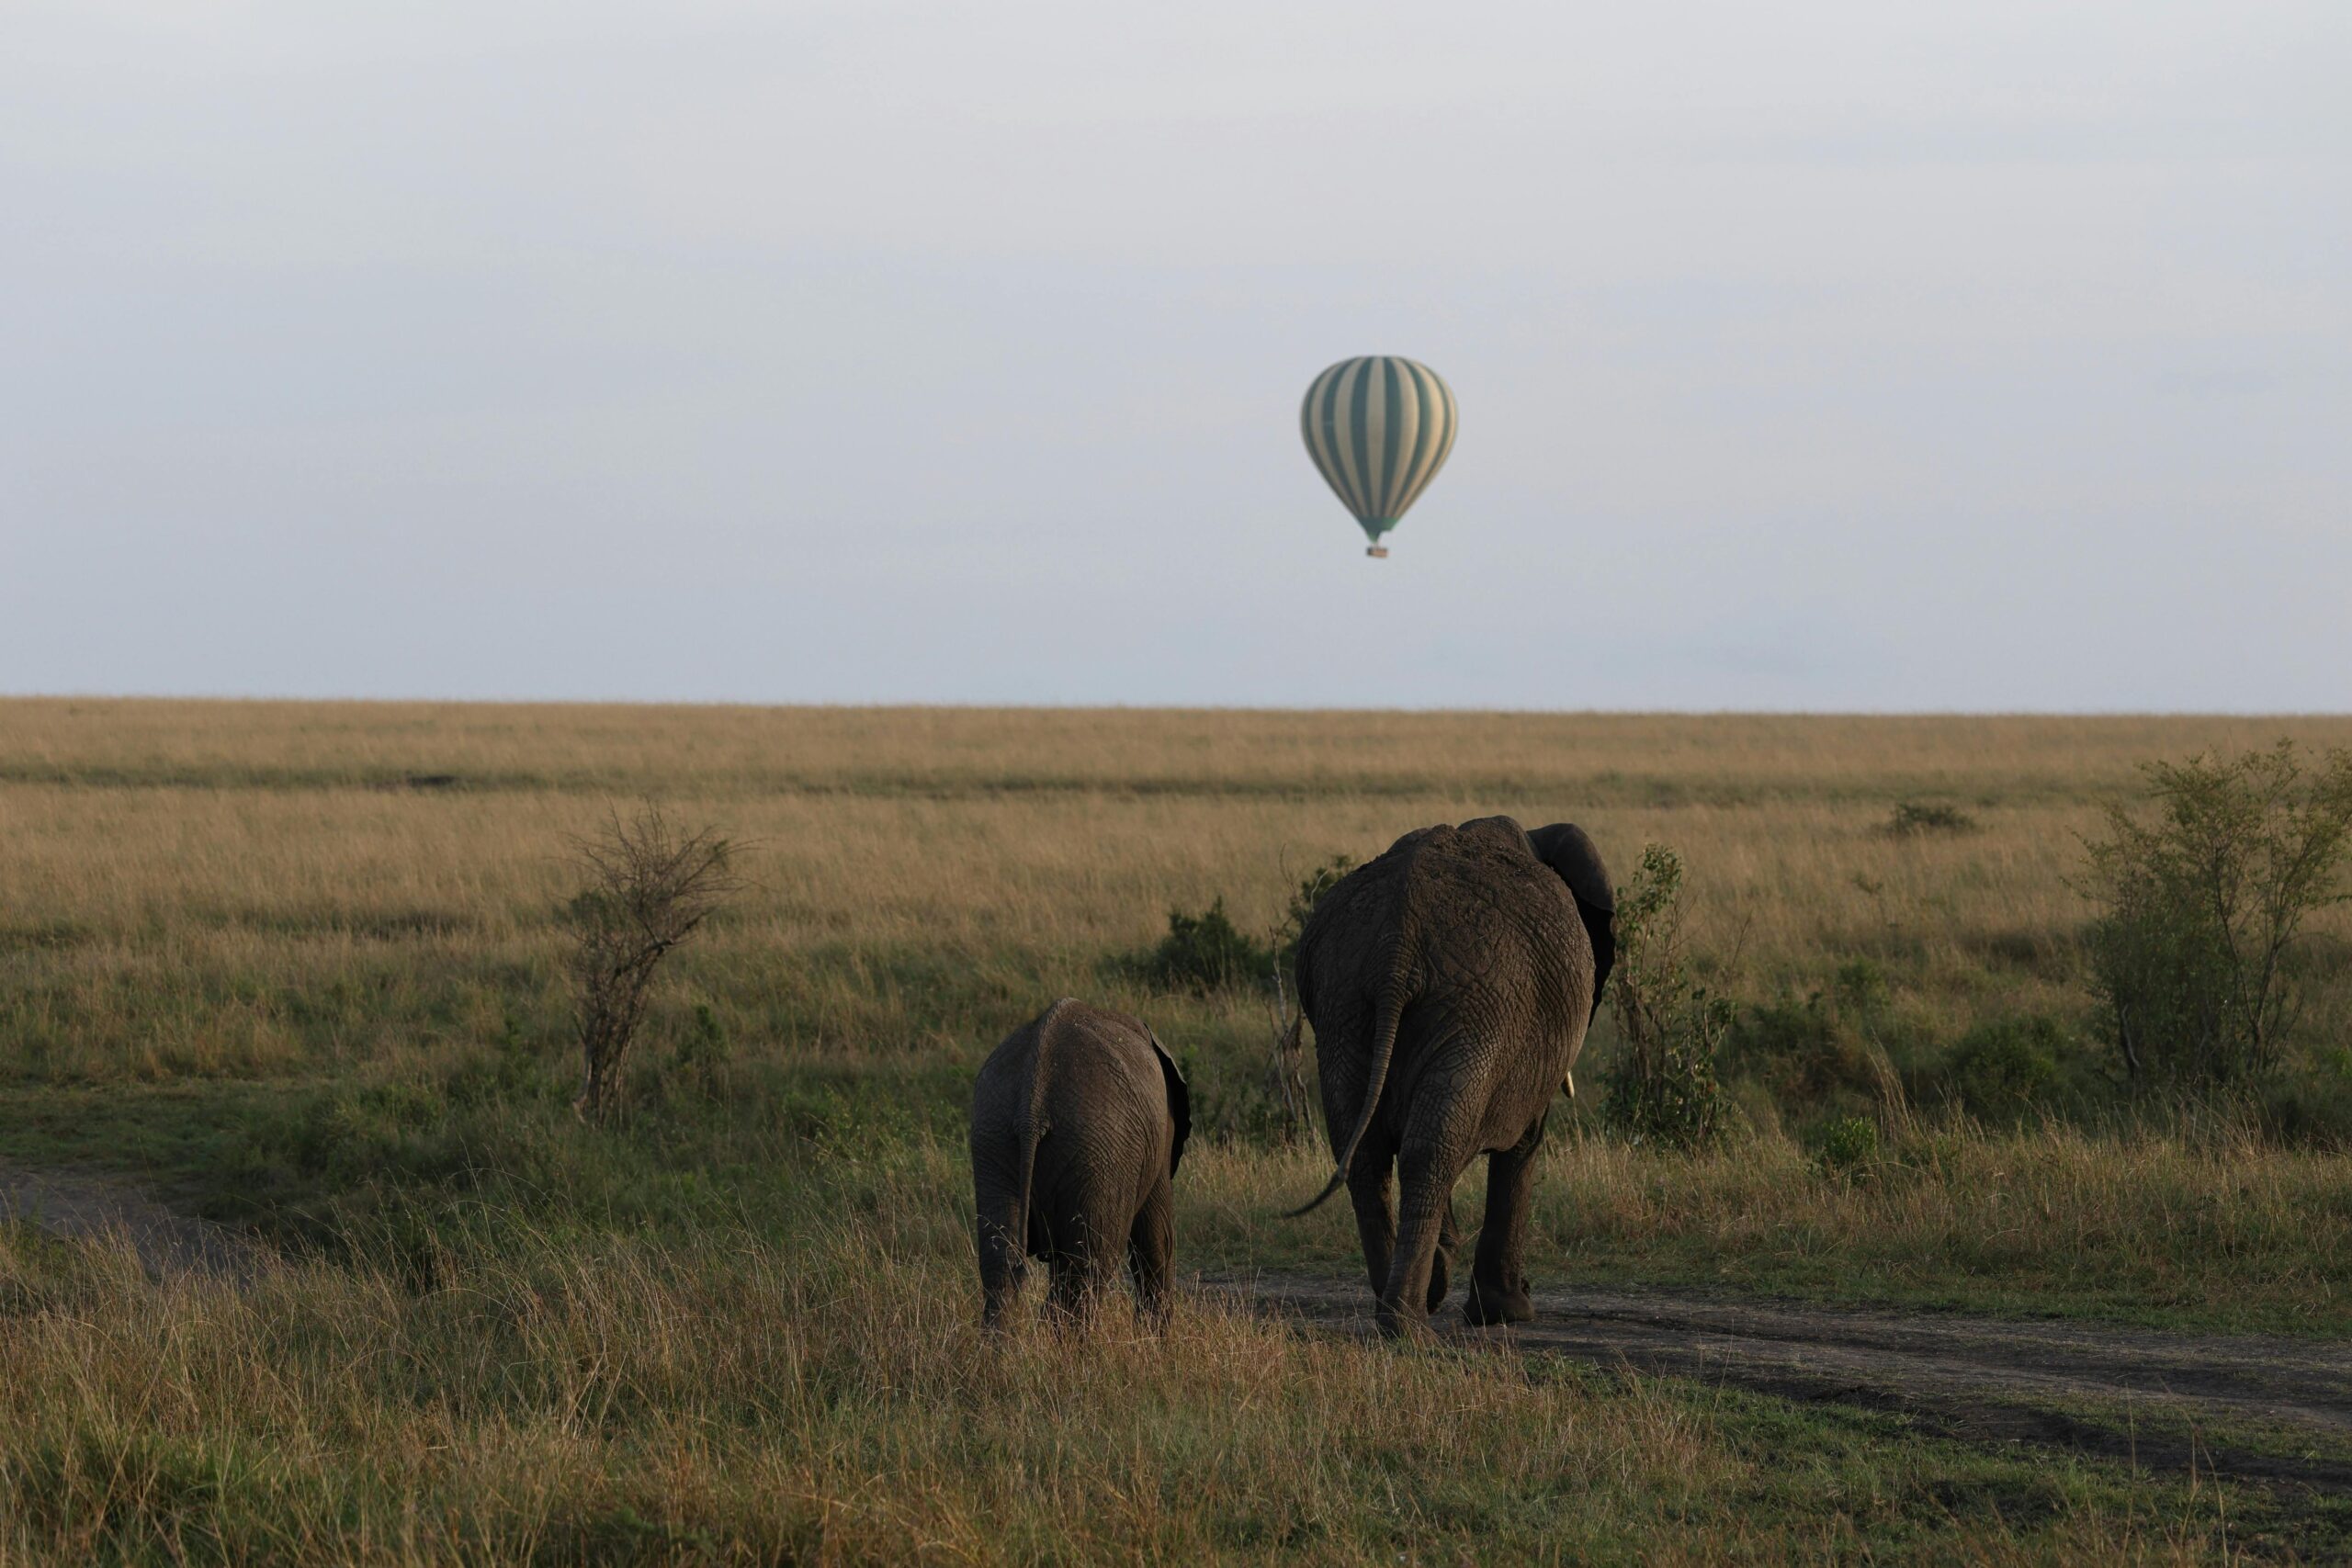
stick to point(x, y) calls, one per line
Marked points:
point(2163, 1400)
point(85, 1205)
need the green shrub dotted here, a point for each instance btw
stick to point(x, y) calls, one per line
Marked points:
point(702, 1055)
point(2199, 908)
point(2004, 1067)
point(508, 1071)
point(1833, 1051)
point(1807, 1052)
point(1847, 1142)
point(1678, 1103)
point(1662, 1088)
point(1860, 988)
point(2307, 1110)
point(1207, 953)
point(1914, 818)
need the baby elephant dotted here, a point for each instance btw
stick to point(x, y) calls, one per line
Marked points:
point(1078, 1121)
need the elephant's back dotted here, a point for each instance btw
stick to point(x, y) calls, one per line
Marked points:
point(1348, 941)
point(1483, 910)
point(1086, 1070)
point(1084, 1037)
point(1446, 876)
point(1374, 893)
point(1004, 1089)
point(1099, 1061)
point(1489, 861)
point(1013, 1063)
point(1477, 888)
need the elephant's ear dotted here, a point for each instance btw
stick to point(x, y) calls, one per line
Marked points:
point(1180, 1102)
point(1570, 853)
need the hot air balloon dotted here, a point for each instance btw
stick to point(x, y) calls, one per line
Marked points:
point(1379, 428)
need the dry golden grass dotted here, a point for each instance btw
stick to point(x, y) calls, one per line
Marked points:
point(2217, 1231)
point(711, 751)
point(741, 1329)
point(174, 870)
point(565, 1399)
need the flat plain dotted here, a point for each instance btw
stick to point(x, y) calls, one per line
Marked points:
point(291, 975)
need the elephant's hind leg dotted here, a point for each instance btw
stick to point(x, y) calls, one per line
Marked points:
point(1438, 1141)
point(1375, 1215)
point(1088, 1243)
point(1498, 1291)
point(1449, 1241)
point(1151, 1253)
point(1007, 1235)
point(1425, 1177)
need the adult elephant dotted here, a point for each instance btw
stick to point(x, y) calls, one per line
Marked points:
point(1450, 982)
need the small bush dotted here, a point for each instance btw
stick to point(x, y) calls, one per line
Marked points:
point(507, 1071)
point(1914, 818)
point(699, 1061)
point(1860, 988)
point(1207, 953)
point(2199, 907)
point(1808, 1051)
point(2307, 1110)
point(2004, 1066)
point(1847, 1142)
point(1833, 1051)
point(1662, 1088)
point(1286, 1083)
point(1302, 899)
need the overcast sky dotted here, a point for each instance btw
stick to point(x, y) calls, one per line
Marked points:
point(1850, 355)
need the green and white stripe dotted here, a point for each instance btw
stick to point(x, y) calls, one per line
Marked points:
point(1379, 428)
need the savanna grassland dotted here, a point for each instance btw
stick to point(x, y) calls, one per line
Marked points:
point(298, 968)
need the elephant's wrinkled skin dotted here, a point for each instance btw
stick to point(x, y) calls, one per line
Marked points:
point(1450, 982)
point(1079, 1119)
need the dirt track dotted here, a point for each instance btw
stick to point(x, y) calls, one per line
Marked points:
point(2134, 1395)
point(80, 1204)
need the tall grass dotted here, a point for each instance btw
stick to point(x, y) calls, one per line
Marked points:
point(301, 962)
point(555, 1396)
point(223, 889)
point(2211, 1228)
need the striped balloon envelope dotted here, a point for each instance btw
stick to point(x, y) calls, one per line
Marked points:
point(1379, 427)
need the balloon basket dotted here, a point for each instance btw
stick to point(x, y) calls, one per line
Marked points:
point(1377, 552)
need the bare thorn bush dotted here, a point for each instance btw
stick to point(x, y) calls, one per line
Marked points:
point(1286, 1058)
point(1286, 1067)
point(650, 885)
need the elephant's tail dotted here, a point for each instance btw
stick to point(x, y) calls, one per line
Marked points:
point(1393, 998)
point(1030, 1136)
point(1004, 1228)
point(1032, 1132)
point(1004, 1209)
